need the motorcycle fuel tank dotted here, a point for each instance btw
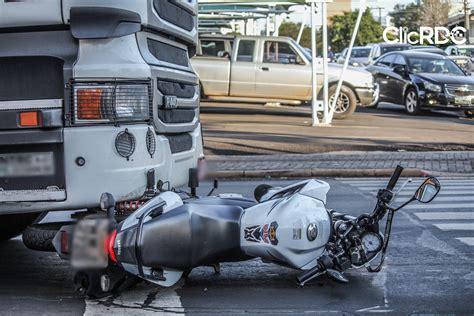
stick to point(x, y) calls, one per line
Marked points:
point(291, 227)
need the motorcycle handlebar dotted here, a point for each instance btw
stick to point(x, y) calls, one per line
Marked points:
point(309, 274)
point(394, 179)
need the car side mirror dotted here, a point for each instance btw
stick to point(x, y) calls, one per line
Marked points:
point(223, 54)
point(400, 69)
point(428, 190)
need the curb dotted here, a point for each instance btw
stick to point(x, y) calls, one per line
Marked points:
point(301, 173)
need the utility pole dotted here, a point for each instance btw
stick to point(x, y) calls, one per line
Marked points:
point(467, 17)
point(380, 13)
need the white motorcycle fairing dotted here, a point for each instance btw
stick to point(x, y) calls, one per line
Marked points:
point(291, 227)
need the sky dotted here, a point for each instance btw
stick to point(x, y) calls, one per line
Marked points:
point(387, 6)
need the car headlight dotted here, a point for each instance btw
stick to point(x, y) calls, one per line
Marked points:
point(432, 87)
point(111, 102)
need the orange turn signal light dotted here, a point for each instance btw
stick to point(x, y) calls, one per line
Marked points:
point(30, 119)
point(89, 102)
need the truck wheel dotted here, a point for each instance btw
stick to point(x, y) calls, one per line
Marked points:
point(40, 237)
point(12, 225)
point(347, 103)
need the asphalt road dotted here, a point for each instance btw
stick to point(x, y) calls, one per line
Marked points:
point(242, 129)
point(429, 269)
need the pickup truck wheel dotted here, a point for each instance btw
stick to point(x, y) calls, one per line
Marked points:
point(346, 104)
point(12, 225)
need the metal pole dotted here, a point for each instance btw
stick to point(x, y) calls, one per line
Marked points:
point(313, 66)
point(325, 63)
point(467, 22)
point(300, 34)
point(346, 61)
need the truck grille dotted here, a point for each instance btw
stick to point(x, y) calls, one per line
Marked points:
point(178, 90)
point(170, 11)
point(31, 78)
point(460, 90)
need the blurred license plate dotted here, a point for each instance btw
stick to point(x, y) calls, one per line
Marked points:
point(463, 100)
point(27, 164)
point(89, 244)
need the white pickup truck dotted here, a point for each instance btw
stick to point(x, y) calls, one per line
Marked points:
point(273, 69)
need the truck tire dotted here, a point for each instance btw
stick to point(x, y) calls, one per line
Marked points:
point(347, 103)
point(40, 237)
point(12, 225)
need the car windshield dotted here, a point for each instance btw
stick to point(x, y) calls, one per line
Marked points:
point(434, 66)
point(466, 51)
point(388, 49)
point(359, 52)
point(305, 51)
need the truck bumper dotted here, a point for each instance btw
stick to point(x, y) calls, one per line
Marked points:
point(104, 170)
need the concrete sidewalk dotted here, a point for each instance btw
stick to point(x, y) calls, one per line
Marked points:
point(343, 164)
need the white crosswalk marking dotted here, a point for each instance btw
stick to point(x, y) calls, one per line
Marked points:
point(467, 240)
point(430, 216)
point(451, 211)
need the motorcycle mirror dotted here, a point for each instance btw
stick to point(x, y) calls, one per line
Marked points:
point(428, 190)
point(336, 276)
point(106, 201)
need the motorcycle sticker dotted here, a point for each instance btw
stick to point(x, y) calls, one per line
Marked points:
point(296, 233)
point(266, 233)
point(253, 233)
point(272, 233)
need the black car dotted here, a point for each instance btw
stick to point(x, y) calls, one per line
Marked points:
point(422, 80)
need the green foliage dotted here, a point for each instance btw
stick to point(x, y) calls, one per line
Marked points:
point(292, 30)
point(406, 16)
point(342, 27)
point(340, 31)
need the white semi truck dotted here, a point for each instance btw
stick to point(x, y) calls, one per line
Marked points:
point(94, 96)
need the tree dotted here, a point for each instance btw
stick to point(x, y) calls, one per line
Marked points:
point(434, 13)
point(342, 27)
point(292, 30)
point(406, 16)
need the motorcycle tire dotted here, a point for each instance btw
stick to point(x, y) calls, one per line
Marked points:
point(40, 237)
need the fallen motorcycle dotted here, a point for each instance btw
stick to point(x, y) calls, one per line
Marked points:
point(169, 236)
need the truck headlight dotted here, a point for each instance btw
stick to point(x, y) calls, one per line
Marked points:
point(111, 102)
point(432, 87)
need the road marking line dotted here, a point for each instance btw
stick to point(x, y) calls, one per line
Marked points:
point(450, 198)
point(442, 192)
point(438, 206)
point(447, 182)
point(367, 309)
point(416, 185)
point(430, 216)
point(467, 240)
point(455, 226)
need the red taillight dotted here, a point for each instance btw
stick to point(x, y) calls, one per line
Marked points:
point(109, 246)
point(64, 242)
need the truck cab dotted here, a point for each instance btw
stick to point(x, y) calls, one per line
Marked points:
point(94, 96)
